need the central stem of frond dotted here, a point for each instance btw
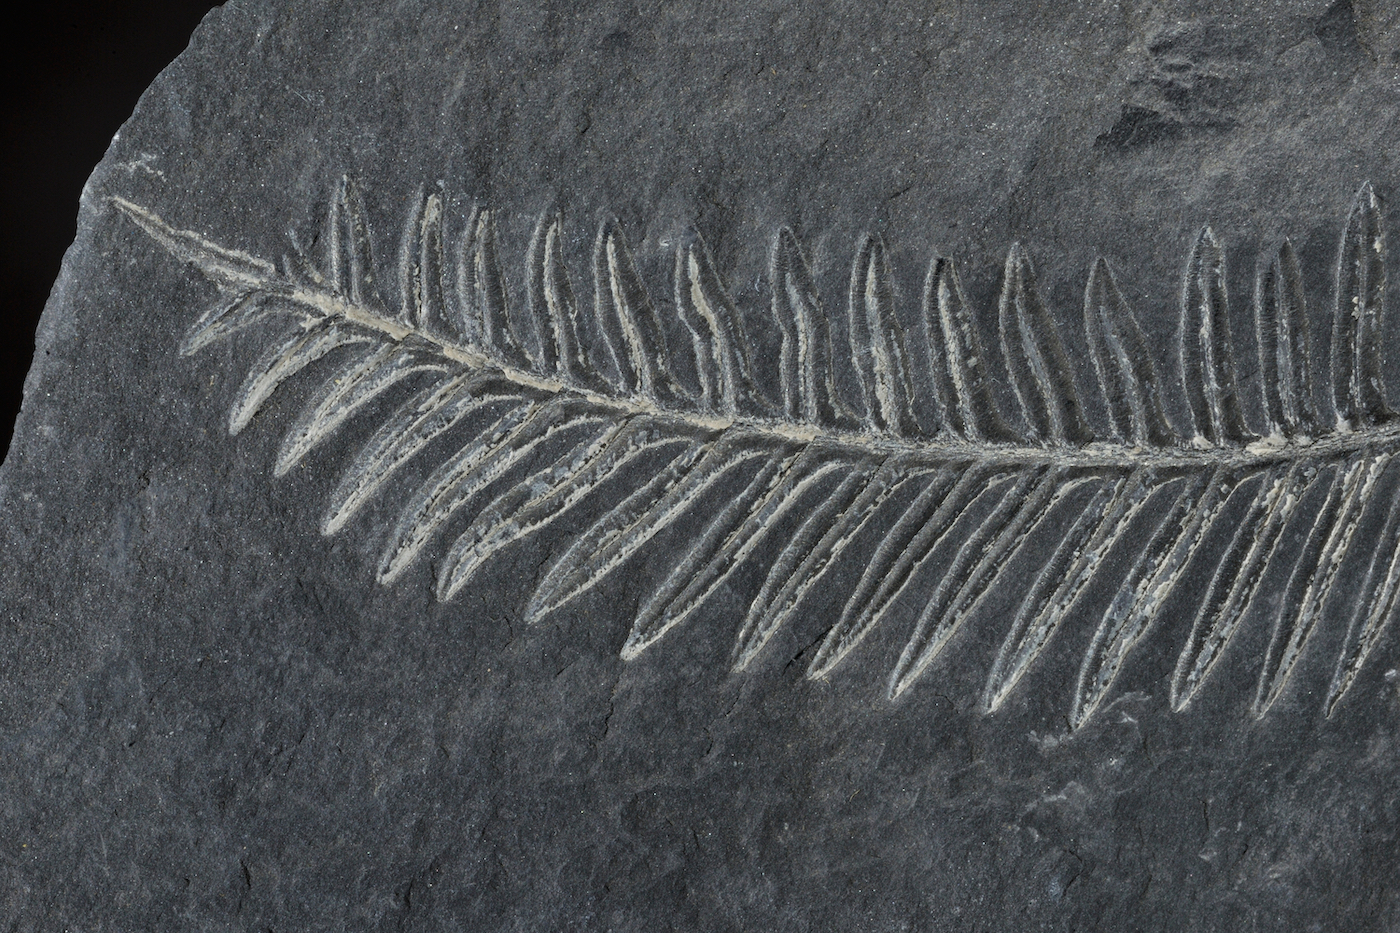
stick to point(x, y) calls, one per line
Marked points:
point(1097, 455)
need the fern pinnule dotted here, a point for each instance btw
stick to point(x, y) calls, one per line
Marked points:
point(1285, 357)
point(887, 459)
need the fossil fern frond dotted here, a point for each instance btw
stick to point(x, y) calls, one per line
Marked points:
point(957, 487)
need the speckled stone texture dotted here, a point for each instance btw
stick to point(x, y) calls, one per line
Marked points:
point(213, 717)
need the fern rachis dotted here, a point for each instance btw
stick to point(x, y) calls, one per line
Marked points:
point(821, 468)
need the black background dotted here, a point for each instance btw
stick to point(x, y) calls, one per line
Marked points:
point(76, 71)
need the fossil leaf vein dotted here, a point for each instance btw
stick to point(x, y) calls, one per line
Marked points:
point(648, 419)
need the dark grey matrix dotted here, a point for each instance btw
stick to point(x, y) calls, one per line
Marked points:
point(702, 467)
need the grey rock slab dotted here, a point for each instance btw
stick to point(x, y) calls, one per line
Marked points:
point(765, 465)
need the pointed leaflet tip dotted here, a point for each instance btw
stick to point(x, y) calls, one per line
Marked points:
point(1237, 575)
point(1042, 609)
point(867, 289)
point(1148, 580)
point(911, 540)
point(225, 318)
point(408, 430)
point(484, 291)
point(228, 267)
point(350, 255)
point(465, 316)
point(877, 342)
point(717, 329)
point(354, 386)
point(410, 284)
point(1371, 612)
point(1313, 577)
point(449, 489)
point(975, 566)
point(1204, 342)
point(568, 579)
point(1084, 550)
point(540, 500)
point(785, 255)
point(283, 360)
point(421, 266)
point(554, 308)
point(958, 364)
point(683, 594)
point(628, 320)
point(1281, 332)
point(1122, 362)
point(543, 306)
point(1101, 300)
point(809, 393)
point(816, 545)
point(1035, 356)
point(429, 310)
point(653, 621)
point(563, 418)
point(1358, 390)
point(617, 545)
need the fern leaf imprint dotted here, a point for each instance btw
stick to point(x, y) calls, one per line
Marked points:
point(663, 419)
